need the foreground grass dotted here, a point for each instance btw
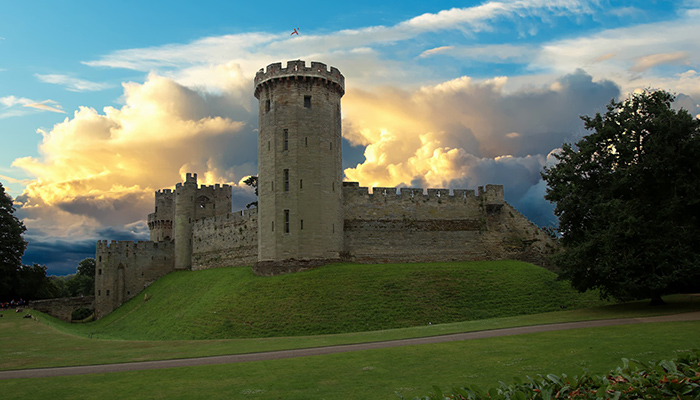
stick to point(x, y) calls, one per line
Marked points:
point(26, 343)
point(377, 374)
point(233, 303)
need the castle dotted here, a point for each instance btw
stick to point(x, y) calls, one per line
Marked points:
point(306, 214)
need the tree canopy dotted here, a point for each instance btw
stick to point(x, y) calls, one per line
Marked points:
point(12, 244)
point(627, 197)
point(252, 181)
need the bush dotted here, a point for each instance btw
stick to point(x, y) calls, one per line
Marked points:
point(679, 379)
point(81, 313)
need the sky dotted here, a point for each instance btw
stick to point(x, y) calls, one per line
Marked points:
point(102, 103)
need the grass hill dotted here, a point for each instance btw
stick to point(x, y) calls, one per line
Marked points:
point(234, 303)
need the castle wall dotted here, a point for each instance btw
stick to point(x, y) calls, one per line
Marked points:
point(413, 226)
point(123, 269)
point(229, 240)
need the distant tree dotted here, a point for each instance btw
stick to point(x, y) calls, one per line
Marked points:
point(32, 284)
point(627, 198)
point(83, 282)
point(86, 268)
point(12, 245)
point(252, 181)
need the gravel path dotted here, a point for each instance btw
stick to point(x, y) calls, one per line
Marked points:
point(315, 351)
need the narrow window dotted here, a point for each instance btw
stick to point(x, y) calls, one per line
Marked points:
point(268, 145)
point(331, 146)
point(301, 184)
point(286, 139)
point(286, 221)
point(99, 271)
point(100, 258)
point(333, 186)
point(301, 226)
point(272, 186)
point(267, 105)
point(99, 293)
point(273, 226)
point(306, 141)
point(332, 228)
point(107, 294)
point(307, 101)
point(286, 180)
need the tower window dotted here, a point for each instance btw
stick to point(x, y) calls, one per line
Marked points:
point(268, 145)
point(99, 271)
point(307, 101)
point(306, 141)
point(331, 146)
point(286, 180)
point(301, 225)
point(267, 105)
point(301, 184)
point(272, 186)
point(107, 292)
point(286, 139)
point(99, 293)
point(286, 221)
point(273, 226)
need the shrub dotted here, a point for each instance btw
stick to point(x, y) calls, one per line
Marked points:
point(679, 379)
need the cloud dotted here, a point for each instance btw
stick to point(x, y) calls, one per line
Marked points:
point(11, 106)
point(465, 133)
point(253, 50)
point(73, 84)
point(44, 105)
point(101, 169)
point(653, 60)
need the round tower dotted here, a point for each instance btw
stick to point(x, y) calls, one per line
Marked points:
point(299, 162)
point(184, 219)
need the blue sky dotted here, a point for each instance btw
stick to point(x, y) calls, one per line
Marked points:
point(103, 103)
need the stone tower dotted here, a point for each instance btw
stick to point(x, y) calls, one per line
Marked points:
point(184, 218)
point(299, 162)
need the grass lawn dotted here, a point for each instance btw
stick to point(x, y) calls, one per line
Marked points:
point(230, 303)
point(377, 374)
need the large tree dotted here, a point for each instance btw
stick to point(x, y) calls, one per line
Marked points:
point(628, 201)
point(12, 245)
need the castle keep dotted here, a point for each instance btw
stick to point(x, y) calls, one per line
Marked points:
point(306, 214)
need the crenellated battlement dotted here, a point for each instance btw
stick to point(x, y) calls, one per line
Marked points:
point(104, 246)
point(297, 69)
point(489, 194)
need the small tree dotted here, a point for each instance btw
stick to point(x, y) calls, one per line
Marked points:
point(627, 201)
point(252, 181)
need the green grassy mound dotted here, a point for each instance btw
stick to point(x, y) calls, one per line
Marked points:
point(234, 303)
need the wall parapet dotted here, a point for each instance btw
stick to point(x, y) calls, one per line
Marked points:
point(489, 194)
point(297, 69)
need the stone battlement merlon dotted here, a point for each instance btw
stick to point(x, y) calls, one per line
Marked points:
point(107, 245)
point(297, 69)
point(491, 194)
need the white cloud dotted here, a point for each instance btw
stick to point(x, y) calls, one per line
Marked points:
point(73, 84)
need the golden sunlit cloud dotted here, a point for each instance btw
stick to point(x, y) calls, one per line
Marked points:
point(101, 169)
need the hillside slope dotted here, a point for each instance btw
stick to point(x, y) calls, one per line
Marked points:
point(234, 303)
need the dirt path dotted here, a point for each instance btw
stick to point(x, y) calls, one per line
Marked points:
point(315, 351)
